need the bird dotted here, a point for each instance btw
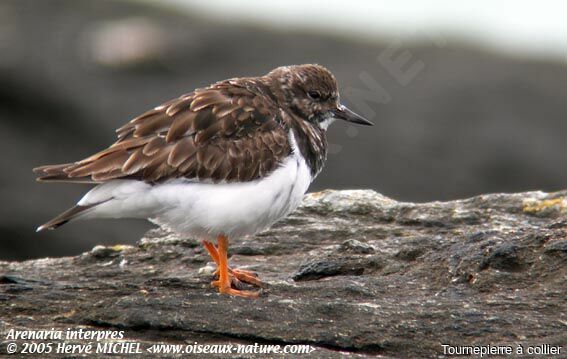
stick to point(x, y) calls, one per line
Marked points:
point(220, 162)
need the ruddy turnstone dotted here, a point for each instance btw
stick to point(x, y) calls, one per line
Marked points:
point(220, 162)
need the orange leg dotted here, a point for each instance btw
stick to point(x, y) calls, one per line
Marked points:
point(228, 275)
point(212, 251)
point(242, 275)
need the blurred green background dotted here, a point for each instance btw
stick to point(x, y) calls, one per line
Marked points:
point(467, 99)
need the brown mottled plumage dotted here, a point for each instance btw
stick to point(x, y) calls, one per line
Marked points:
point(220, 133)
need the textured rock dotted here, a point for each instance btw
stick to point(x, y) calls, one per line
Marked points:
point(350, 271)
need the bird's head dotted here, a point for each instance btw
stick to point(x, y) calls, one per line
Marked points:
point(311, 91)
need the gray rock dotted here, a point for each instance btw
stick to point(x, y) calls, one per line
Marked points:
point(354, 246)
point(349, 272)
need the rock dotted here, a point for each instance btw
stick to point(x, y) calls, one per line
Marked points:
point(503, 257)
point(354, 246)
point(557, 247)
point(349, 272)
point(329, 267)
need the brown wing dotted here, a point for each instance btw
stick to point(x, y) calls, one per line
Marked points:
point(220, 133)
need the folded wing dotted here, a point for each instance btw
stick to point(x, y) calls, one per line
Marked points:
point(220, 133)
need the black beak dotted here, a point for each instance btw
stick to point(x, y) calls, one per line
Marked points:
point(344, 113)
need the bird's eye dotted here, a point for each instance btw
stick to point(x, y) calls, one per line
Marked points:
point(315, 95)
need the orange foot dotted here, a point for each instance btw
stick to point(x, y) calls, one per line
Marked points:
point(229, 277)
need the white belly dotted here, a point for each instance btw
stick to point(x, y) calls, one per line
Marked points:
point(234, 209)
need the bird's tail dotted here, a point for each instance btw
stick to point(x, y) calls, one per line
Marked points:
point(65, 217)
point(113, 199)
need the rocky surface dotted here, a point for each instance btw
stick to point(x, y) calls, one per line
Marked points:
point(349, 272)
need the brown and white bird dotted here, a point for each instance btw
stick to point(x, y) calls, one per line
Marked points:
point(220, 162)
